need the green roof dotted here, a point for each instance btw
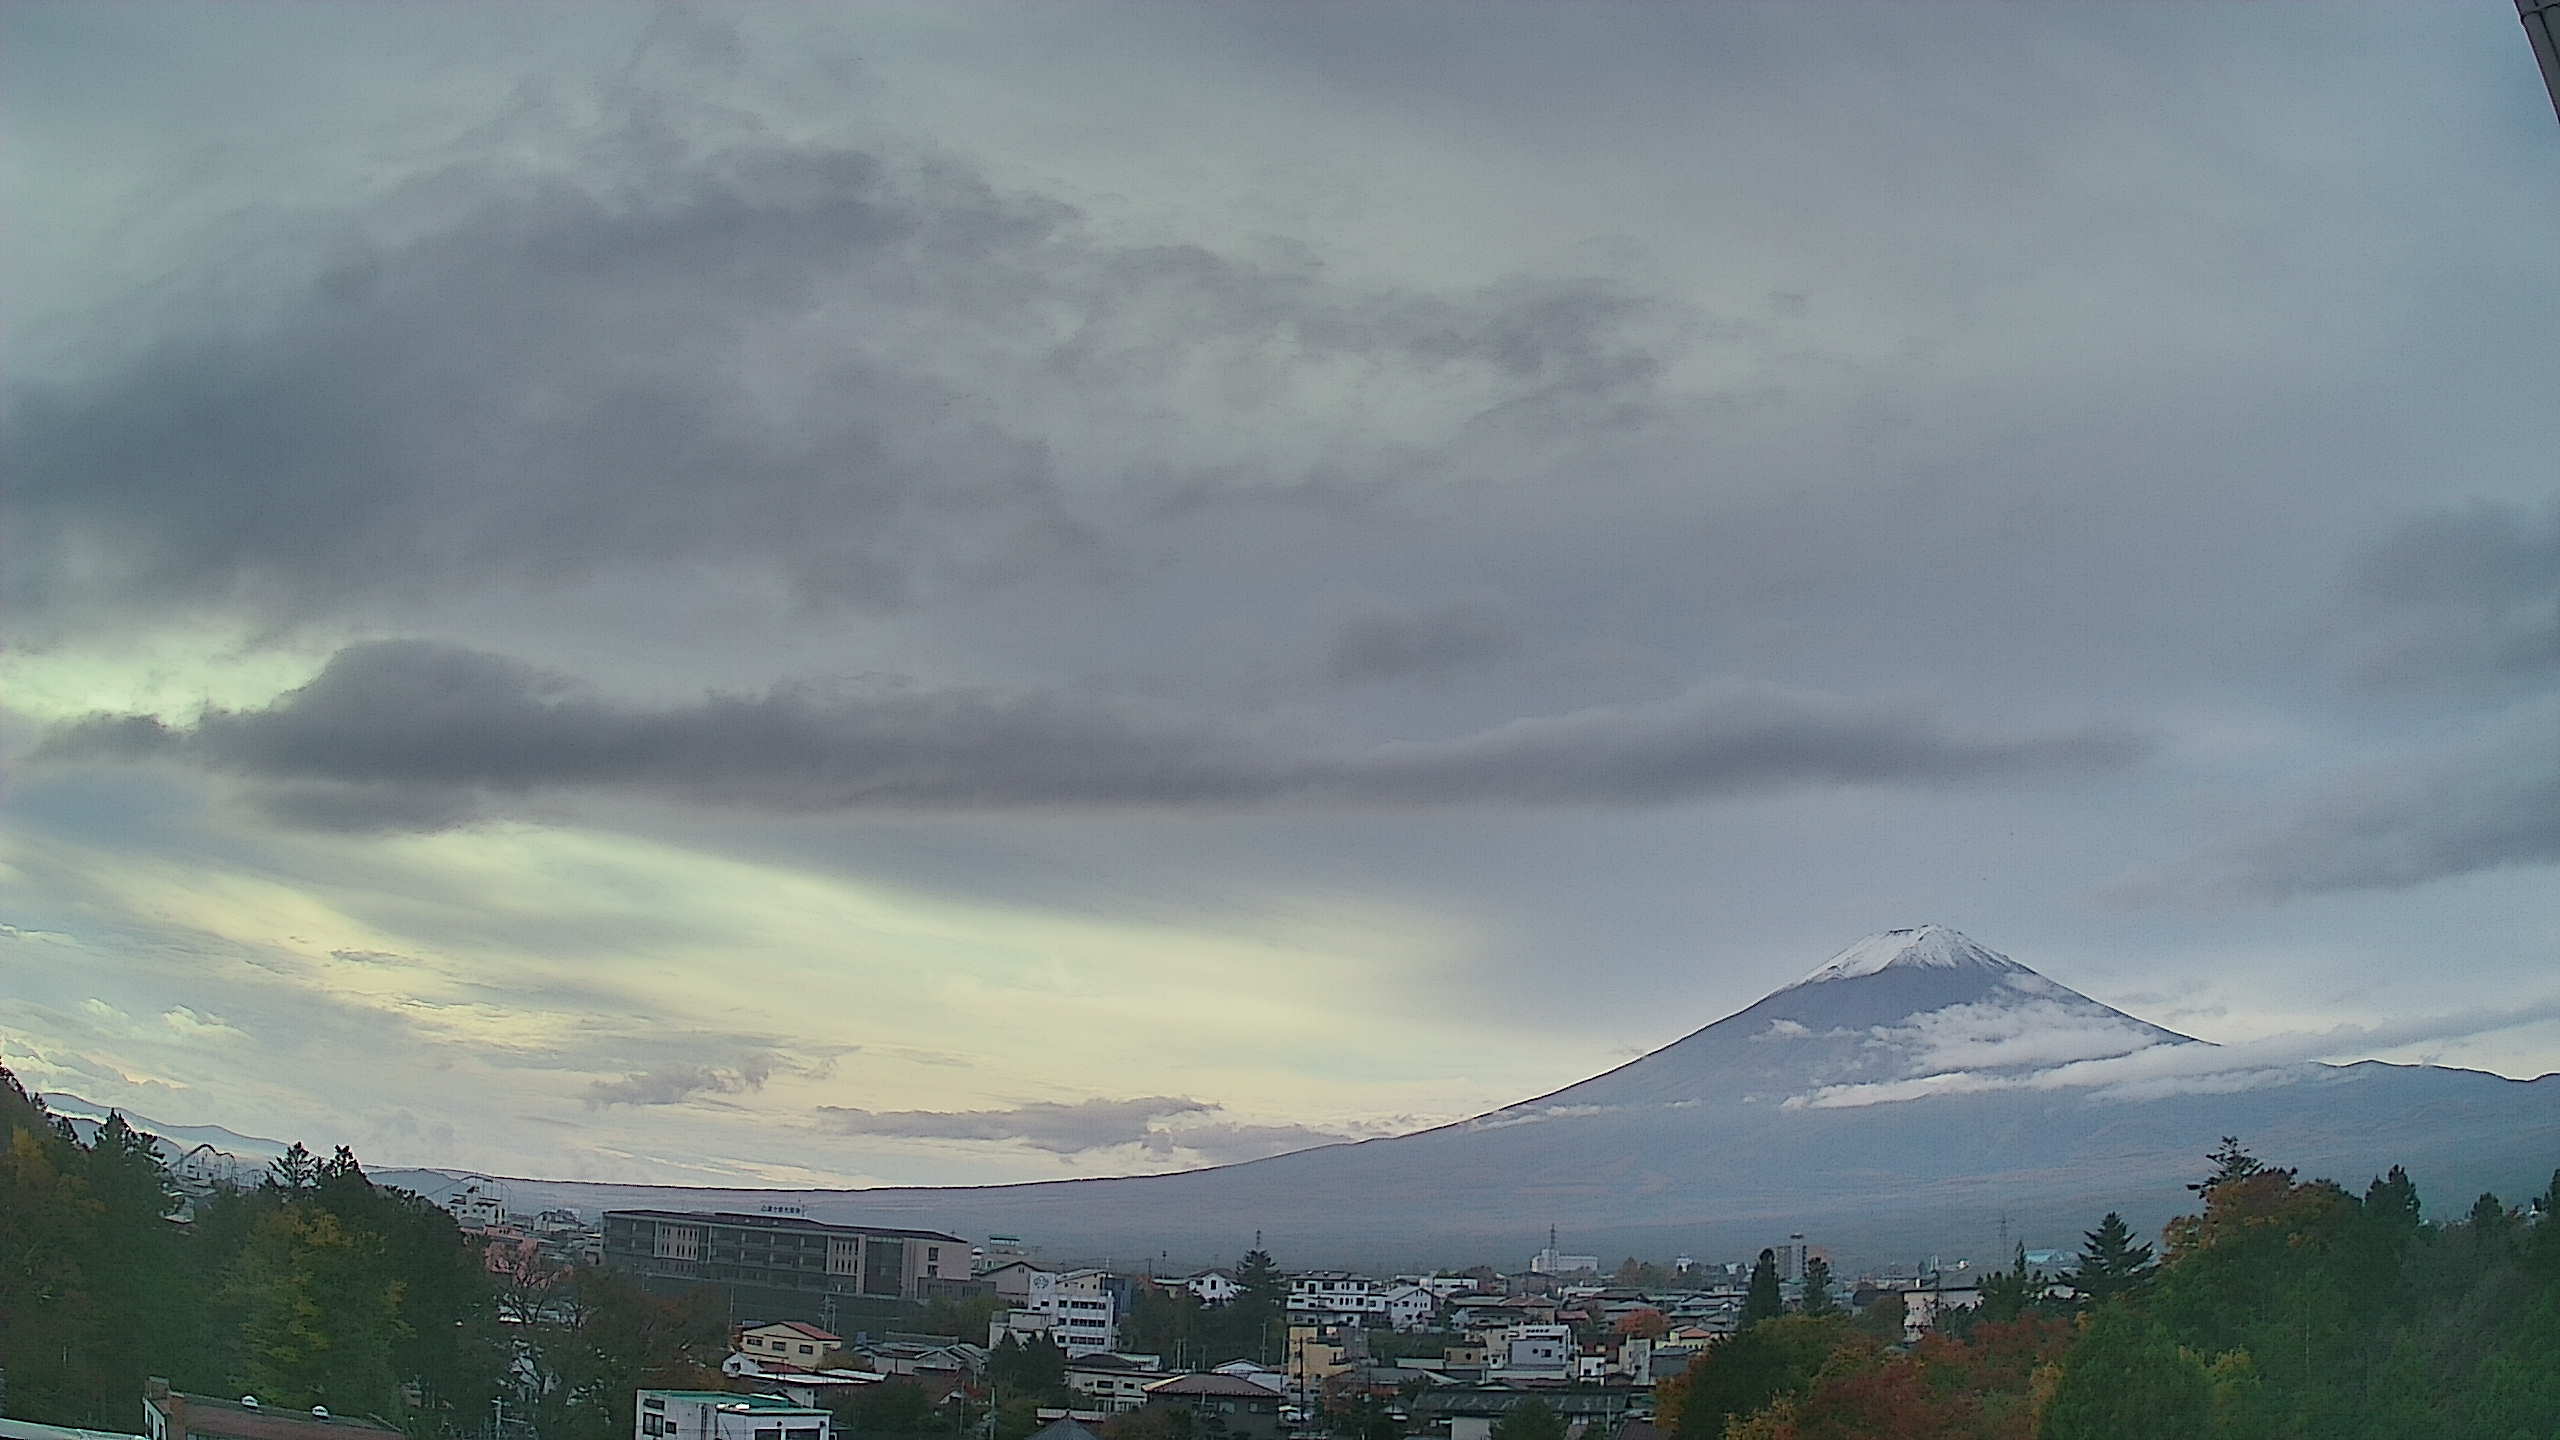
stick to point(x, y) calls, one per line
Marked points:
point(724, 1397)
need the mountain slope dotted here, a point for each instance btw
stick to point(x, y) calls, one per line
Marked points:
point(1901, 1099)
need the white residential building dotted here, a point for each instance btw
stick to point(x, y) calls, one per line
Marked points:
point(1924, 1303)
point(1552, 1261)
point(1083, 1316)
point(1213, 1287)
point(1444, 1286)
point(1335, 1293)
point(1409, 1307)
point(719, 1415)
point(1275, 1381)
point(478, 1205)
point(1535, 1352)
point(1114, 1384)
point(1020, 1326)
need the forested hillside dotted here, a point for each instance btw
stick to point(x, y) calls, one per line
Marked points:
point(318, 1287)
point(2282, 1310)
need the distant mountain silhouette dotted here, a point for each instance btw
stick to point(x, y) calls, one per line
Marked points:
point(1917, 1094)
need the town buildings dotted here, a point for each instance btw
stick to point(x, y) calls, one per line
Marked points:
point(723, 1415)
point(1220, 1403)
point(787, 1345)
point(788, 1267)
point(174, 1415)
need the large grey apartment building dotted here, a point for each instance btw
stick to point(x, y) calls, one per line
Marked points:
point(786, 1267)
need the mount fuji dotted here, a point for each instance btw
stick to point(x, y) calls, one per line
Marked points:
point(1917, 1094)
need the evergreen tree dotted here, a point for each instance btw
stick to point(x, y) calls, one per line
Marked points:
point(294, 1170)
point(1027, 1368)
point(1818, 1299)
point(1531, 1419)
point(2230, 1163)
point(1762, 1301)
point(2006, 1294)
point(1261, 1304)
point(2392, 1200)
point(2488, 1220)
point(2111, 1264)
point(131, 1263)
point(2125, 1380)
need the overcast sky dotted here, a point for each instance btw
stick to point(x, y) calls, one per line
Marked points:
point(937, 594)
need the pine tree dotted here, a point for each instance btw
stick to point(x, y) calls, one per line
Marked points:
point(2488, 1218)
point(2111, 1264)
point(132, 1259)
point(2230, 1162)
point(1762, 1301)
point(2393, 1200)
point(2006, 1294)
point(295, 1170)
point(1817, 1287)
point(1262, 1301)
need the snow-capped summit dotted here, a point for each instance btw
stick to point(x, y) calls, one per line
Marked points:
point(1931, 947)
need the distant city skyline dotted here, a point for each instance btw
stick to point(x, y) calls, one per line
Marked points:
point(910, 596)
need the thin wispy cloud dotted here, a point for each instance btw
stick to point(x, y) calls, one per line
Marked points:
point(2183, 1067)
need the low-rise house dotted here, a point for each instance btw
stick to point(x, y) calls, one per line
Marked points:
point(825, 1389)
point(1317, 1353)
point(30, 1430)
point(1535, 1352)
point(1275, 1381)
point(1213, 1287)
point(1443, 1286)
point(1475, 1312)
point(1409, 1307)
point(1020, 1326)
point(1238, 1407)
point(787, 1345)
point(1013, 1280)
point(1114, 1383)
point(923, 1358)
point(175, 1415)
point(1924, 1304)
point(721, 1415)
point(1471, 1411)
point(1668, 1362)
point(1065, 1427)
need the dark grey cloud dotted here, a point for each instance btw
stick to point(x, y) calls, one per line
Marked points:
point(675, 1084)
point(807, 367)
point(1394, 645)
point(1062, 1128)
point(1159, 1124)
point(397, 719)
point(2490, 803)
point(2464, 595)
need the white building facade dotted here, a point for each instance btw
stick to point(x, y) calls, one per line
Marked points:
point(718, 1415)
point(1083, 1316)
